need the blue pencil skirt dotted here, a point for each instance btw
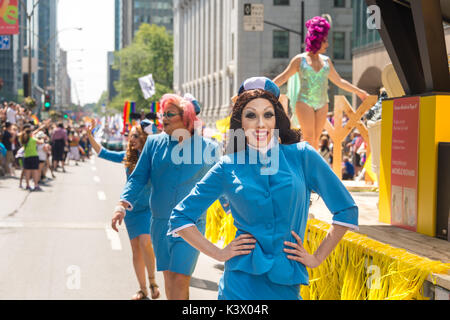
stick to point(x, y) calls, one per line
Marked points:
point(137, 223)
point(239, 285)
point(173, 254)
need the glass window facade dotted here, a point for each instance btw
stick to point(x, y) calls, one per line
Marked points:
point(339, 45)
point(339, 3)
point(362, 36)
point(159, 12)
point(11, 65)
point(280, 2)
point(280, 44)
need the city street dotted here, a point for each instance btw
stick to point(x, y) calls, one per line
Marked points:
point(58, 244)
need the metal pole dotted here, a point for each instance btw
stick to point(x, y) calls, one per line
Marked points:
point(281, 27)
point(45, 70)
point(303, 25)
point(30, 90)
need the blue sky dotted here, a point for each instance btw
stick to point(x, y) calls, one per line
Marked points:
point(87, 68)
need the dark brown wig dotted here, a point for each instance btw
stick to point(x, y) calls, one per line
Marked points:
point(283, 124)
point(132, 156)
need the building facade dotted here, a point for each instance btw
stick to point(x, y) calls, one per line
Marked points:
point(63, 92)
point(11, 63)
point(47, 45)
point(213, 54)
point(113, 75)
point(129, 15)
point(369, 53)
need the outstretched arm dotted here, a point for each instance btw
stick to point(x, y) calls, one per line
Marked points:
point(344, 84)
point(94, 143)
point(292, 68)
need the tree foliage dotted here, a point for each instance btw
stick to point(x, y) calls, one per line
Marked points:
point(150, 52)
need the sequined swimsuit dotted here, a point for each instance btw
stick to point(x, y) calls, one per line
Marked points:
point(314, 85)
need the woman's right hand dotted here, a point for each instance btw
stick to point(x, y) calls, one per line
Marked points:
point(91, 127)
point(117, 218)
point(239, 246)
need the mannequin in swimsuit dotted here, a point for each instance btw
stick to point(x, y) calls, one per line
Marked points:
point(315, 69)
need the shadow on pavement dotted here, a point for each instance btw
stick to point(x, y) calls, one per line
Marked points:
point(204, 284)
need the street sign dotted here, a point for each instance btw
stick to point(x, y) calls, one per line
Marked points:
point(253, 17)
point(5, 42)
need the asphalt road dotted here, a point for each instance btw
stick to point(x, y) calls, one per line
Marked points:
point(58, 244)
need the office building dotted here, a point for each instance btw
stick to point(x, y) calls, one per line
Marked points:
point(213, 53)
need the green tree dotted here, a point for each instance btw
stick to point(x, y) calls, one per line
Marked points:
point(150, 52)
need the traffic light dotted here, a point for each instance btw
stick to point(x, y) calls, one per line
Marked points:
point(47, 102)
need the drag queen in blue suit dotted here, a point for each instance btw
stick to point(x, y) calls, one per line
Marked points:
point(172, 163)
point(267, 180)
point(137, 220)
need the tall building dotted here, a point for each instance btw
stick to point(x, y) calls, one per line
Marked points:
point(369, 53)
point(213, 54)
point(11, 62)
point(47, 42)
point(129, 15)
point(118, 24)
point(63, 92)
point(113, 75)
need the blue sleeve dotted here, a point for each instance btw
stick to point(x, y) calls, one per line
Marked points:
point(321, 179)
point(113, 156)
point(140, 176)
point(2, 149)
point(192, 207)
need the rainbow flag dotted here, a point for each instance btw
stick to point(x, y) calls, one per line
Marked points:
point(155, 108)
point(126, 116)
point(35, 119)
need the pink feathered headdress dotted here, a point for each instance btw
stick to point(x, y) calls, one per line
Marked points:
point(318, 28)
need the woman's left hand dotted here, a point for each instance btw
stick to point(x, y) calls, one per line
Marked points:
point(299, 253)
point(362, 95)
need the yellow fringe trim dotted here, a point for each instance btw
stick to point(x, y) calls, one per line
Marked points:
point(359, 268)
point(219, 225)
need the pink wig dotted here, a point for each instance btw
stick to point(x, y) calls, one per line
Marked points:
point(318, 28)
point(189, 116)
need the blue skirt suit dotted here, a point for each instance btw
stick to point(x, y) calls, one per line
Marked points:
point(137, 221)
point(269, 197)
point(172, 170)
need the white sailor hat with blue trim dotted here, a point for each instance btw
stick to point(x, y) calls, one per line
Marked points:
point(260, 83)
point(194, 101)
point(148, 127)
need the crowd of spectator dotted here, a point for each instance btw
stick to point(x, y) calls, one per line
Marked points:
point(34, 148)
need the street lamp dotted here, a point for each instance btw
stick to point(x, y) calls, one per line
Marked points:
point(44, 49)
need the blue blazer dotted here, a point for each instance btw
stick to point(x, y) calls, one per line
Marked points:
point(269, 206)
point(143, 194)
point(172, 169)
